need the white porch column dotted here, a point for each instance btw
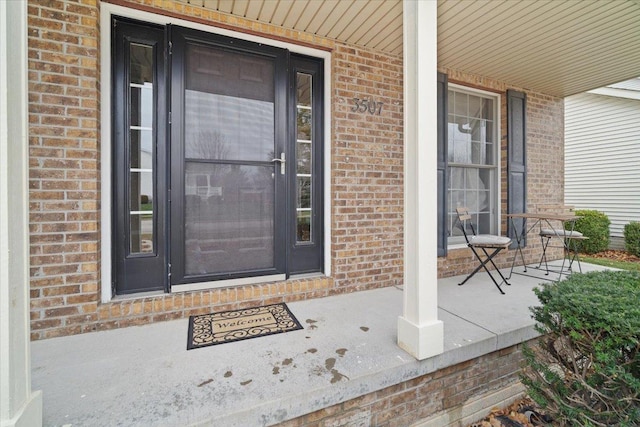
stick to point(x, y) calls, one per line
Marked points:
point(420, 333)
point(19, 406)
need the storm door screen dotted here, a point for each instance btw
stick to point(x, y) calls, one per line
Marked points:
point(230, 187)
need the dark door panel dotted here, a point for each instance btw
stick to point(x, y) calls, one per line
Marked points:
point(228, 193)
point(139, 153)
point(305, 207)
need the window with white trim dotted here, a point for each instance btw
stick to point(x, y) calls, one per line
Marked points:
point(473, 147)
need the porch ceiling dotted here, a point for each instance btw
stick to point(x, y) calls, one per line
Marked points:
point(555, 47)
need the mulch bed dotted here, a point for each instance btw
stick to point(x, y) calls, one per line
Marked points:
point(522, 413)
point(616, 256)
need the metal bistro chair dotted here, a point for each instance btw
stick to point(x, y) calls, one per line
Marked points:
point(479, 244)
point(570, 238)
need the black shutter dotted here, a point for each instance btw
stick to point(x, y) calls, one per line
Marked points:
point(442, 164)
point(516, 157)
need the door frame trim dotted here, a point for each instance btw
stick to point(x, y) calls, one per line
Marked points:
point(106, 161)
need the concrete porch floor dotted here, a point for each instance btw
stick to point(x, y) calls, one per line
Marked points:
point(144, 376)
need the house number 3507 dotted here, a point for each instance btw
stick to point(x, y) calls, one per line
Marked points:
point(366, 105)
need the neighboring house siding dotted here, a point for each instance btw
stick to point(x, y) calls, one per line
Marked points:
point(602, 146)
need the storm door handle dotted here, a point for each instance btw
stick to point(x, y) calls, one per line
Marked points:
point(282, 162)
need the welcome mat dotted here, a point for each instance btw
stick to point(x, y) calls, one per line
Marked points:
point(236, 325)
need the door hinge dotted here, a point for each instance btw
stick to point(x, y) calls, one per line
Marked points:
point(170, 47)
point(169, 271)
point(169, 117)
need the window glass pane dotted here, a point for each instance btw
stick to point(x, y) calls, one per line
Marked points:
point(303, 232)
point(484, 222)
point(141, 214)
point(475, 106)
point(454, 226)
point(229, 105)
point(304, 192)
point(228, 218)
point(304, 89)
point(472, 158)
point(304, 123)
point(456, 180)
point(141, 64)
point(458, 199)
point(460, 103)
point(477, 153)
point(141, 233)
point(141, 153)
point(304, 158)
point(487, 109)
point(489, 133)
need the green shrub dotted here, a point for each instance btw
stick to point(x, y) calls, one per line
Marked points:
point(632, 238)
point(585, 368)
point(595, 226)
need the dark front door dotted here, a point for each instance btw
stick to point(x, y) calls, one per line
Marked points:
point(218, 159)
point(228, 158)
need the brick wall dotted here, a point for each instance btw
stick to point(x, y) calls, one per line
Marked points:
point(64, 151)
point(366, 163)
point(406, 403)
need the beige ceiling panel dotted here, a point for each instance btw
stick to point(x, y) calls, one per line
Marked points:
point(296, 11)
point(225, 6)
point(267, 10)
point(559, 47)
point(253, 10)
point(392, 44)
point(339, 15)
point(240, 7)
point(354, 16)
point(321, 16)
point(375, 15)
point(384, 37)
point(555, 46)
point(282, 11)
point(383, 26)
point(307, 15)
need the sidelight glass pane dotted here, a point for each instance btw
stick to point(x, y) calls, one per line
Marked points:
point(140, 150)
point(304, 158)
point(229, 220)
point(229, 105)
point(304, 192)
point(303, 231)
point(304, 95)
point(304, 123)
